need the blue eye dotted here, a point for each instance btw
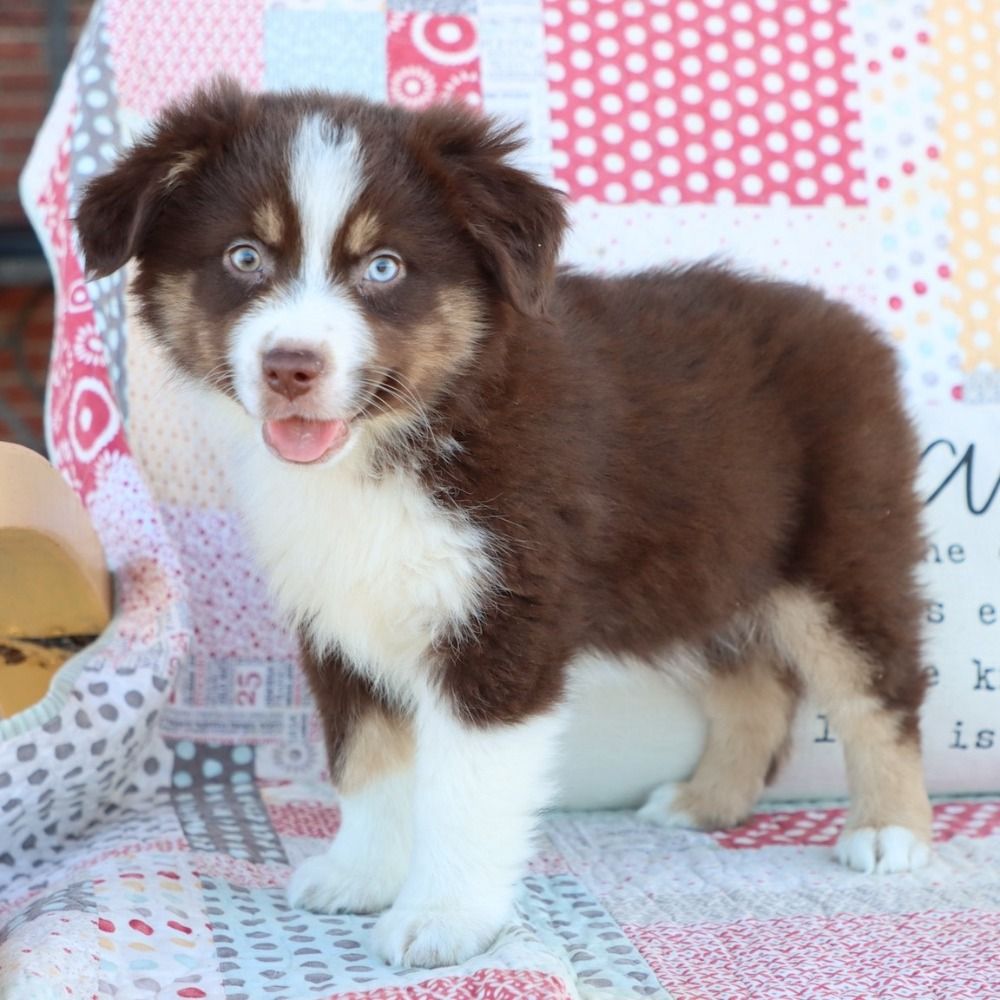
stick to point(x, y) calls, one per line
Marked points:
point(383, 268)
point(245, 258)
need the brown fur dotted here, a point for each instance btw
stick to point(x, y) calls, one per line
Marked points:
point(365, 736)
point(655, 456)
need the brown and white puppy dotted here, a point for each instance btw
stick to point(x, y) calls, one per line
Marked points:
point(466, 473)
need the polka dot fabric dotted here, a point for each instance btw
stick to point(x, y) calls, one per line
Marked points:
point(969, 38)
point(909, 246)
point(823, 826)
point(750, 102)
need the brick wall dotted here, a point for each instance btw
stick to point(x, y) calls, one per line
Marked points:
point(25, 87)
point(25, 342)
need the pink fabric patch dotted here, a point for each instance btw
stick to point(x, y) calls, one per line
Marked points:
point(899, 955)
point(232, 616)
point(237, 872)
point(162, 51)
point(487, 984)
point(432, 59)
point(548, 862)
point(304, 819)
point(703, 101)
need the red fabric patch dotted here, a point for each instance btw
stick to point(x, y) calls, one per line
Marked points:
point(802, 827)
point(704, 101)
point(432, 59)
point(83, 417)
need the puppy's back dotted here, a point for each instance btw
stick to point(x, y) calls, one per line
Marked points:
point(750, 433)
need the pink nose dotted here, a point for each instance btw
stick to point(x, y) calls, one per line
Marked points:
point(291, 373)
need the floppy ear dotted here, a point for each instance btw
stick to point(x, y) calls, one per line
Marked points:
point(517, 221)
point(118, 210)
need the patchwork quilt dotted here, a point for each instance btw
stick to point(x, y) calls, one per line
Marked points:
point(154, 803)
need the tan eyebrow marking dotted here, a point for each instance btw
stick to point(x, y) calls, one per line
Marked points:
point(267, 223)
point(361, 233)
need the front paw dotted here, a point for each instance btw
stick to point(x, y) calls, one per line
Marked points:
point(882, 850)
point(438, 932)
point(333, 883)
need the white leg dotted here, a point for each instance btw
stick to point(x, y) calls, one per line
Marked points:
point(364, 866)
point(478, 791)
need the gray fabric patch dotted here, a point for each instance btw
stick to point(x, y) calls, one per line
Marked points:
point(218, 804)
point(568, 918)
point(96, 142)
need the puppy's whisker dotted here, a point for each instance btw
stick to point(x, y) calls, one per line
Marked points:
point(394, 381)
point(393, 385)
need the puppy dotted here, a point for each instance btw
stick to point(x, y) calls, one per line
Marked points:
point(465, 472)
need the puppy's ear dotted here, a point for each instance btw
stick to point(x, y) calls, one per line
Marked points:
point(517, 221)
point(119, 209)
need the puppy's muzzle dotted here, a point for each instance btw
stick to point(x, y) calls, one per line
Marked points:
point(291, 373)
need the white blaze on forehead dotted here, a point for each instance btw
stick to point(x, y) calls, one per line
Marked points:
point(314, 311)
point(326, 179)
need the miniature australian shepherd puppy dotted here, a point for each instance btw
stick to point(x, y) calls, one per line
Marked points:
point(465, 472)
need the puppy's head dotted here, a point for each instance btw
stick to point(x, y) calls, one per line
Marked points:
point(331, 264)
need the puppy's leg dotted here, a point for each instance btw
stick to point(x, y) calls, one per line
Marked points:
point(478, 789)
point(371, 763)
point(889, 822)
point(749, 705)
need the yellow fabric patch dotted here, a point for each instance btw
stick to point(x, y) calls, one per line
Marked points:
point(968, 73)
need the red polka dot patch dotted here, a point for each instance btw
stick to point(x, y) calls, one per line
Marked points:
point(723, 101)
point(823, 826)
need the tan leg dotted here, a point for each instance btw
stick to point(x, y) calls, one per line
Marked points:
point(749, 707)
point(888, 824)
point(378, 745)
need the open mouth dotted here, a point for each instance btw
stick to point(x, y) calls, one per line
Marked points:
point(309, 441)
point(303, 441)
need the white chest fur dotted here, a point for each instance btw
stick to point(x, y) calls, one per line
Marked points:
point(374, 566)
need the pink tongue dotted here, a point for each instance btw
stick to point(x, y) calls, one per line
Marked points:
point(298, 440)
